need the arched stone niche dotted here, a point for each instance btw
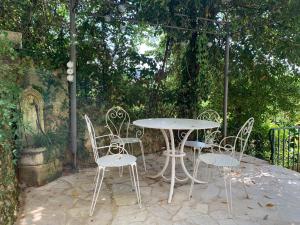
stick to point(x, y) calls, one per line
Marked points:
point(32, 105)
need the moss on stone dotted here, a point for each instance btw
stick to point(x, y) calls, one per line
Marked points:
point(8, 189)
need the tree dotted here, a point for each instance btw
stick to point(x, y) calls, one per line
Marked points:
point(182, 75)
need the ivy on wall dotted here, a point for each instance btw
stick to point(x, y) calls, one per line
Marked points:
point(10, 74)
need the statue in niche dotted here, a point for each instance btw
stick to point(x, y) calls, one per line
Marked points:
point(32, 106)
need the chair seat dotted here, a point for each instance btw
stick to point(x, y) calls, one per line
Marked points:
point(221, 160)
point(126, 140)
point(197, 144)
point(116, 160)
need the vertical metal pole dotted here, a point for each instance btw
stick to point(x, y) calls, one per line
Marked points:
point(278, 147)
point(298, 158)
point(283, 148)
point(226, 71)
point(73, 84)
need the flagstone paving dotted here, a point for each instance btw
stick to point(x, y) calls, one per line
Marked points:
point(274, 199)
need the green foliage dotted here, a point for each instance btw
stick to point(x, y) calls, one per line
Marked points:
point(44, 29)
point(54, 141)
point(10, 73)
point(181, 75)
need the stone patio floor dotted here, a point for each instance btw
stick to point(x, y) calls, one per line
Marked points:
point(274, 198)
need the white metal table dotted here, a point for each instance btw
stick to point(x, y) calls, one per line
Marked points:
point(170, 124)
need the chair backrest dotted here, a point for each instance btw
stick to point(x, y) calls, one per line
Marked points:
point(117, 121)
point(210, 115)
point(92, 136)
point(113, 148)
point(205, 134)
point(242, 137)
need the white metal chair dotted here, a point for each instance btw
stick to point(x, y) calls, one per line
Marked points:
point(116, 156)
point(209, 135)
point(227, 159)
point(118, 122)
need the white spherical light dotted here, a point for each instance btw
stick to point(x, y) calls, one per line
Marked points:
point(70, 71)
point(70, 64)
point(70, 78)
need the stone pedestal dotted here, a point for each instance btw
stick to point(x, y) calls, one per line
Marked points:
point(33, 156)
point(34, 171)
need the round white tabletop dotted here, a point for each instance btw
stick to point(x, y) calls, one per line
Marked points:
point(176, 124)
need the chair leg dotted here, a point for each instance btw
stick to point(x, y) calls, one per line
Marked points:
point(220, 171)
point(95, 177)
point(228, 196)
point(143, 155)
point(197, 152)
point(194, 157)
point(194, 176)
point(130, 148)
point(97, 189)
point(121, 168)
point(131, 179)
point(136, 184)
point(208, 173)
point(230, 192)
point(245, 189)
point(121, 171)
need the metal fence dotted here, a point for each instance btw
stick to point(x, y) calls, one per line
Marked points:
point(285, 150)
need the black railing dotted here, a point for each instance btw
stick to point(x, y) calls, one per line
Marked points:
point(285, 150)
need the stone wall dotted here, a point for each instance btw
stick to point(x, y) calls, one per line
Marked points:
point(44, 107)
point(45, 110)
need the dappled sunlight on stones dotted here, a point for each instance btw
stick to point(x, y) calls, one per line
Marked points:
point(125, 199)
point(40, 216)
point(76, 193)
point(274, 199)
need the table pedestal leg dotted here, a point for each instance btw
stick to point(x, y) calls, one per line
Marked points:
point(172, 149)
point(161, 173)
point(173, 167)
point(182, 161)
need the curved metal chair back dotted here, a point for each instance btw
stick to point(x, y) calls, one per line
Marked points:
point(210, 115)
point(243, 136)
point(92, 136)
point(113, 148)
point(117, 121)
point(239, 142)
point(209, 135)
